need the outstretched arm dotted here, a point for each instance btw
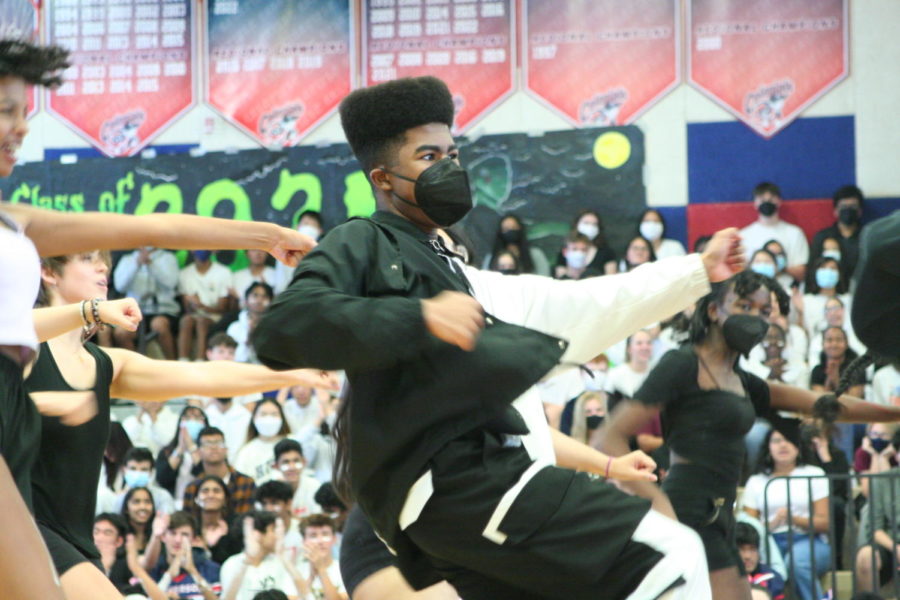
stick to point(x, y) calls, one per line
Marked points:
point(854, 410)
point(53, 321)
point(55, 233)
point(136, 377)
point(633, 466)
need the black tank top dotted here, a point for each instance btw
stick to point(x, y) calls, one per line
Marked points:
point(67, 471)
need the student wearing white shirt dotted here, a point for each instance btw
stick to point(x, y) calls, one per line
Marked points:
point(624, 380)
point(290, 465)
point(309, 223)
point(204, 287)
point(321, 571)
point(256, 299)
point(767, 201)
point(886, 385)
point(828, 282)
point(138, 472)
point(152, 426)
point(653, 228)
point(836, 315)
point(267, 427)
point(150, 276)
point(276, 497)
point(259, 567)
point(258, 271)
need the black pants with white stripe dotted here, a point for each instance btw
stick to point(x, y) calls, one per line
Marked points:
point(562, 535)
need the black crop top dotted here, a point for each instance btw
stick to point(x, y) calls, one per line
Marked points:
point(705, 427)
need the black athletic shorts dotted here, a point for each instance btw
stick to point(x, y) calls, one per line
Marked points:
point(362, 553)
point(63, 553)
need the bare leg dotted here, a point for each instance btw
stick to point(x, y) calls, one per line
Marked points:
point(161, 326)
point(389, 584)
point(727, 584)
point(203, 325)
point(186, 336)
point(124, 338)
point(864, 573)
point(84, 581)
point(25, 567)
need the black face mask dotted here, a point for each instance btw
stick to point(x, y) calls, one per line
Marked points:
point(511, 236)
point(878, 444)
point(767, 208)
point(743, 332)
point(594, 421)
point(507, 271)
point(848, 216)
point(442, 192)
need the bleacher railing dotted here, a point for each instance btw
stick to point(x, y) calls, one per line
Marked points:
point(884, 488)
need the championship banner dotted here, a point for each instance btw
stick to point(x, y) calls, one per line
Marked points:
point(766, 61)
point(602, 62)
point(468, 45)
point(19, 19)
point(546, 180)
point(132, 68)
point(278, 68)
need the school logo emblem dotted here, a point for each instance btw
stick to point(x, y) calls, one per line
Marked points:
point(603, 109)
point(120, 133)
point(279, 127)
point(765, 105)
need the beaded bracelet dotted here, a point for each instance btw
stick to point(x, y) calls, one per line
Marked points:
point(83, 314)
point(95, 311)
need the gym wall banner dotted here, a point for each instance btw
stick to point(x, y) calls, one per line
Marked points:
point(132, 70)
point(766, 61)
point(545, 179)
point(278, 68)
point(19, 19)
point(469, 45)
point(602, 62)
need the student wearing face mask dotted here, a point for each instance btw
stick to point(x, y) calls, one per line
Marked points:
point(178, 458)
point(828, 282)
point(767, 199)
point(708, 404)
point(138, 472)
point(309, 223)
point(268, 426)
point(875, 454)
point(784, 279)
point(653, 228)
point(600, 257)
point(847, 227)
point(506, 262)
point(577, 254)
point(588, 415)
point(512, 236)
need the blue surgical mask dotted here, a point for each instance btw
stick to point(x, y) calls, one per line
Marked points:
point(835, 254)
point(194, 428)
point(202, 255)
point(767, 269)
point(135, 479)
point(780, 262)
point(827, 278)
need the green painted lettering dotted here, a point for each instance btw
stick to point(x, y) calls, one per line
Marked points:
point(358, 196)
point(289, 184)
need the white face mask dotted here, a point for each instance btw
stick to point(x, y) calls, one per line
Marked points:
point(310, 230)
point(576, 258)
point(835, 254)
point(267, 426)
point(588, 229)
point(652, 230)
point(595, 383)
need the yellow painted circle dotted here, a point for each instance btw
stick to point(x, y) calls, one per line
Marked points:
point(612, 150)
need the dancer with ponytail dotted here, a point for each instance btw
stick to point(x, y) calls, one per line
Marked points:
point(707, 404)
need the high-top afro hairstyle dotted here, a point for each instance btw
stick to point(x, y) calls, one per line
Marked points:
point(375, 118)
point(37, 65)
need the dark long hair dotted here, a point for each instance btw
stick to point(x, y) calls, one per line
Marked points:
point(252, 433)
point(197, 511)
point(117, 446)
point(525, 262)
point(849, 354)
point(148, 526)
point(170, 447)
point(765, 464)
point(340, 476)
point(600, 240)
point(812, 286)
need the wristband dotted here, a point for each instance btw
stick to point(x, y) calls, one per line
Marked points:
point(95, 311)
point(608, 463)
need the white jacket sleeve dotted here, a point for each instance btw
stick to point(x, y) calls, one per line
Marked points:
point(593, 314)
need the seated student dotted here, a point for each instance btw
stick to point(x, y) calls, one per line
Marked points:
point(767, 200)
point(653, 228)
point(214, 461)
point(212, 513)
point(828, 281)
point(333, 506)
point(309, 223)
point(177, 460)
point(759, 574)
point(512, 237)
point(881, 531)
point(229, 414)
point(259, 567)
point(305, 413)
point(150, 276)
point(772, 360)
point(782, 276)
point(205, 288)
point(276, 497)
point(257, 272)
point(639, 252)
point(109, 537)
point(182, 571)
point(577, 253)
point(291, 466)
point(506, 262)
point(836, 315)
point(588, 415)
point(321, 571)
point(848, 201)
point(876, 454)
point(600, 257)
point(138, 511)
point(886, 385)
point(834, 359)
point(138, 472)
point(268, 426)
point(256, 299)
point(624, 380)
